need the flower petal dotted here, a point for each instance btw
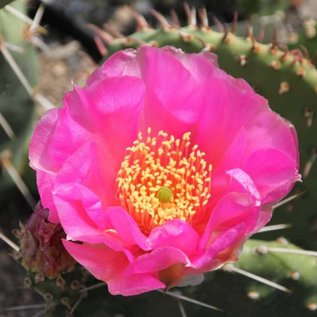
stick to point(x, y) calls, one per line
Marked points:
point(118, 219)
point(109, 266)
point(219, 122)
point(159, 259)
point(278, 139)
point(232, 209)
point(77, 207)
point(129, 285)
point(200, 65)
point(222, 249)
point(55, 138)
point(174, 233)
point(45, 186)
point(182, 108)
point(41, 136)
point(122, 63)
point(274, 172)
point(98, 259)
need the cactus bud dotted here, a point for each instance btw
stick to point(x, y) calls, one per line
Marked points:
point(41, 249)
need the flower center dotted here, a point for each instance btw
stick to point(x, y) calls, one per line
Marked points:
point(163, 178)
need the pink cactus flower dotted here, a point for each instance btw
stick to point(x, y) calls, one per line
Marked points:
point(161, 167)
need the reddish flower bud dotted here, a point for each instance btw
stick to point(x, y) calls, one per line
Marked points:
point(41, 248)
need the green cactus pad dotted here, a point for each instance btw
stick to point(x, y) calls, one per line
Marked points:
point(16, 105)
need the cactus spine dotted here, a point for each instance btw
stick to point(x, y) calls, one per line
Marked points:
point(16, 101)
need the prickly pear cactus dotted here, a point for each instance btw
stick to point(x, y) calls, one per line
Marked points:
point(287, 273)
point(17, 110)
point(306, 39)
point(276, 261)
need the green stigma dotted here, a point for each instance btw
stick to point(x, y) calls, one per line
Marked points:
point(164, 194)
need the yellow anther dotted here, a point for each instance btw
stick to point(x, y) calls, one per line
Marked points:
point(163, 178)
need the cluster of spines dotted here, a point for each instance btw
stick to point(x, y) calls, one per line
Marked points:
point(61, 294)
point(280, 262)
point(306, 39)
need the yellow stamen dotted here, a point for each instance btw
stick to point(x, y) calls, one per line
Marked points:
point(163, 178)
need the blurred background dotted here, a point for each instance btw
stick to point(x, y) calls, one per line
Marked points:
point(68, 50)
